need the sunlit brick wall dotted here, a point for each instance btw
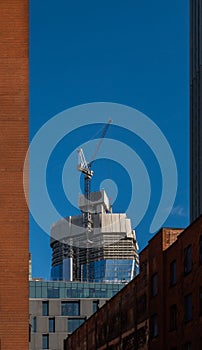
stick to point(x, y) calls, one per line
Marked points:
point(14, 314)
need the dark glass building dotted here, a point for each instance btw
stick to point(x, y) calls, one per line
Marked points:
point(195, 108)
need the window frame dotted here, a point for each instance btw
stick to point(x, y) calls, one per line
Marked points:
point(142, 304)
point(200, 249)
point(173, 317)
point(188, 259)
point(200, 300)
point(154, 326)
point(188, 346)
point(74, 319)
point(45, 336)
point(51, 328)
point(34, 324)
point(45, 302)
point(173, 272)
point(95, 305)
point(154, 284)
point(188, 308)
point(70, 312)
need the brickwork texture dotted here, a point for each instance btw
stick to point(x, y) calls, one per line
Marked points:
point(139, 316)
point(14, 314)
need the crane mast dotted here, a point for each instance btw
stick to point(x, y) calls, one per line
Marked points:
point(85, 168)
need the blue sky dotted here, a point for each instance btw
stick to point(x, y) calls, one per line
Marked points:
point(134, 53)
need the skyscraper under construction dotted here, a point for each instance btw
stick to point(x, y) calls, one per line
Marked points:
point(105, 252)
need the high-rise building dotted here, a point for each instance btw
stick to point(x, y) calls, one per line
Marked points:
point(195, 108)
point(106, 253)
point(14, 257)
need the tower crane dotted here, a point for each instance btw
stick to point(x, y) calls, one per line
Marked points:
point(85, 168)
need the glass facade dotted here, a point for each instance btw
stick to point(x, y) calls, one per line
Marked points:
point(70, 308)
point(112, 258)
point(57, 273)
point(109, 270)
point(47, 289)
point(74, 323)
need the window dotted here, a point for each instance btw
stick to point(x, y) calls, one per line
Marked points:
point(188, 307)
point(34, 324)
point(154, 326)
point(53, 292)
point(52, 325)
point(30, 327)
point(188, 259)
point(200, 300)
point(173, 317)
point(70, 308)
point(200, 250)
point(141, 305)
point(95, 305)
point(45, 341)
point(74, 323)
point(45, 308)
point(154, 285)
point(143, 271)
point(141, 338)
point(188, 346)
point(173, 272)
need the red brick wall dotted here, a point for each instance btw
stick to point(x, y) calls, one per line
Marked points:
point(14, 312)
point(186, 283)
point(130, 315)
point(157, 304)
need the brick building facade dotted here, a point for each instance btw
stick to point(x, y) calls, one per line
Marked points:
point(161, 308)
point(14, 142)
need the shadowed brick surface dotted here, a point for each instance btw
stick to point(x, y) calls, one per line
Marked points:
point(139, 317)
